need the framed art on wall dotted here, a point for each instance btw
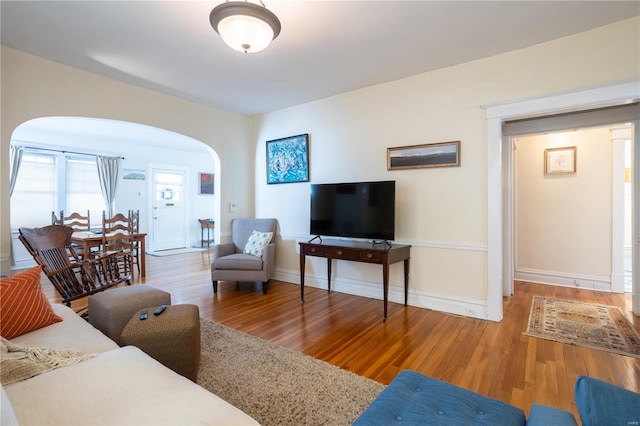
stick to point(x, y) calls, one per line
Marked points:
point(205, 183)
point(288, 159)
point(134, 174)
point(560, 160)
point(442, 154)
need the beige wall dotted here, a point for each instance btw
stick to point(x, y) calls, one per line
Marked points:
point(564, 222)
point(441, 212)
point(33, 87)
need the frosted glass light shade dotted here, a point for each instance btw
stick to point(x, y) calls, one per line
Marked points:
point(245, 33)
point(245, 27)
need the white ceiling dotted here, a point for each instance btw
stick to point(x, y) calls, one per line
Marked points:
point(325, 47)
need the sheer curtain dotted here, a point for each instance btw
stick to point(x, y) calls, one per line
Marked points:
point(14, 166)
point(108, 168)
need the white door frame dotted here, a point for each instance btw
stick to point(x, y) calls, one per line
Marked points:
point(500, 181)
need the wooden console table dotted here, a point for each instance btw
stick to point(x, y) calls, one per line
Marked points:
point(381, 254)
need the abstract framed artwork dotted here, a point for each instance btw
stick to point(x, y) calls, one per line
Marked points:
point(559, 161)
point(442, 154)
point(288, 159)
point(205, 181)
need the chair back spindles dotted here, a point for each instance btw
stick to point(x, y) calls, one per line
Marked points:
point(135, 227)
point(135, 220)
point(72, 277)
point(55, 220)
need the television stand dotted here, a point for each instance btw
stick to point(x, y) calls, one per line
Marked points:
point(358, 252)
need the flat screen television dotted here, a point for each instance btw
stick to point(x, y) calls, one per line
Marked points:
point(354, 210)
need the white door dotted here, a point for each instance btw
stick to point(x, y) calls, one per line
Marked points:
point(168, 210)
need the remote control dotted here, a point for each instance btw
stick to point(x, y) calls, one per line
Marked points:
point(143, 315)
point(159, 310)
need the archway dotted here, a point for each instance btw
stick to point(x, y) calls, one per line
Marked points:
point(140, 146)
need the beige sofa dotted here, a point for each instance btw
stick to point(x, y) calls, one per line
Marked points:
point(119, 386)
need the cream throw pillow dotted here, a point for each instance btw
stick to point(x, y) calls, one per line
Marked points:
point(257, 242)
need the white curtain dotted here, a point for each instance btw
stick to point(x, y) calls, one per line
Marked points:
point(108, 169)
point(14, 166)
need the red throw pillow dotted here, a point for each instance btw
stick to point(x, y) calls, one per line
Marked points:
point(23, 305)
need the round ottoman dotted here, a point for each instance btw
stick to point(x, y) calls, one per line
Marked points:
point(110, 311)
point(172, 338)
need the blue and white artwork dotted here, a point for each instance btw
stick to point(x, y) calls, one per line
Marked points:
point(288, 159)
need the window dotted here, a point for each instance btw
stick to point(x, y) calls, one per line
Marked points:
point(83, 189)
point(52, 182)
point(35, 193)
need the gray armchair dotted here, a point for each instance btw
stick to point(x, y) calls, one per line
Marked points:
point(231, 264)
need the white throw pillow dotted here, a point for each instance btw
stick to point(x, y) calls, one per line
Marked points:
point(257, 242)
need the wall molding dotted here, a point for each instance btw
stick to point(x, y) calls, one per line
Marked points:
point(476, 308)
point(563, 279)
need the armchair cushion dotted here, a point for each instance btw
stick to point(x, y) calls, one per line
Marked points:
point(257, 242)
point(414, 399)
point(602, 403)
point(239, 261)
point(23, 305)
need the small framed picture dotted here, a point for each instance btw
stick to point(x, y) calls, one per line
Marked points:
point(288, 159)
point(443, 154)
point(206, 183)
point(560, 160)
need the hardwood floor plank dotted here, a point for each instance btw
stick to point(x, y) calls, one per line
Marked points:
point(494, 359)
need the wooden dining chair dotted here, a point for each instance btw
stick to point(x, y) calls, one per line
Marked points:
point(75, 221)
point(72, 277)
point(117, 239)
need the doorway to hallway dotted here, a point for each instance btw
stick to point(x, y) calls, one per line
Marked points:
point(573, 228)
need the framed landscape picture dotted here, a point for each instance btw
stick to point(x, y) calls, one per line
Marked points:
point(288, 159)
point(443, 154)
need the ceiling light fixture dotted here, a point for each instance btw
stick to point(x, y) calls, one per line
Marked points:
point(244, 26)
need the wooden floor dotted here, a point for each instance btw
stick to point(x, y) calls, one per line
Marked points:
point(494, 359)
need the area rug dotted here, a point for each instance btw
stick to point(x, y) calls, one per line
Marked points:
point(277, 385)
point(584, 324)
point(172, 252)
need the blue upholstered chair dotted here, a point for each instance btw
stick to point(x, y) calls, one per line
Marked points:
point(415, 399)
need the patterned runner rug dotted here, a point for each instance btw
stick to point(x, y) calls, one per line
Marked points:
point(584, 324)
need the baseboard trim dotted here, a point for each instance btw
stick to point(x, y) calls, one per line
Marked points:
point(474, 308)
point(563, 279)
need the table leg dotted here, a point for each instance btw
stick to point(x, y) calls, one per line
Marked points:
point(406, 280)
point(302, 258)
point(329, 274)
point(86, 251)
point(385, 287)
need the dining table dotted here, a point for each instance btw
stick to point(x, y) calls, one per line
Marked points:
point(89, 239)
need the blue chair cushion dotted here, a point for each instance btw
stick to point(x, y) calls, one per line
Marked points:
point(542, 415)
point(414, 399)
point(602, 403)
